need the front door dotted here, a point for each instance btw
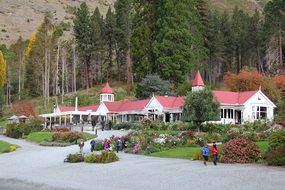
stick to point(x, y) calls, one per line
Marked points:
point(238, 117)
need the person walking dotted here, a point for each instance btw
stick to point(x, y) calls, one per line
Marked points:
point(205, 153)
point(215, 153)
point(81, 145)
point(92, 143)
point(119, 144)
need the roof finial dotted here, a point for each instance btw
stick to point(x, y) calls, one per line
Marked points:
point(259, 87)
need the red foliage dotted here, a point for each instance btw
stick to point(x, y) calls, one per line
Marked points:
point(61, 129)
point(67, 136)
point(252, 80)
point(240, 150)
point(279, 81)
point(23, 108)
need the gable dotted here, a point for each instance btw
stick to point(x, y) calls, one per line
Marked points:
point(261, 99)
point(153, 104)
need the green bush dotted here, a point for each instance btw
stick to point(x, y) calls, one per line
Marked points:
point(74, 158)
point(104, 157)
point(14, 131)
point(98, 146)
point(276, 139)
point(125, 126)
point(240, 150)
point(276, 153)
point(276, 157)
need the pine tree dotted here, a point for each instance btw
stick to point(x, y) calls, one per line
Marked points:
point(179, 42)
point(97, 45)
point(123, 10)
point(110, 41)
point(143, 35)
point(82, 36)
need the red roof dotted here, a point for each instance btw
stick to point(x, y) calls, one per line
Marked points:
point(106, 89)
point(91, 107)
point(63, 108)
point(171, 101)
point(198, 81)
point(134, 105)
point(227, 97)
point(126, 105)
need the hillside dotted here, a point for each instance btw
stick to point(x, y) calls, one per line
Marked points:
point(21, 17)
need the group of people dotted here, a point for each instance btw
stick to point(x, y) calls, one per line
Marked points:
point(205, 153)
point(106, 145)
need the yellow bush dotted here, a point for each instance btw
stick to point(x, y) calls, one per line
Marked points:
point(12, 148)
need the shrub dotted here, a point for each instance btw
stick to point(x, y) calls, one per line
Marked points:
point(98, 146)
point(73, 158)
point(14, 131)
point(104, 157)
point(276, 139)
point(71, 137)
point(232, 133)
point(125, 126)
point(240, 150)
point(276, 153)
point(61, 129)
point(276, 157)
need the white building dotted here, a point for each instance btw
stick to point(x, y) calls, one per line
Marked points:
point(236, 107)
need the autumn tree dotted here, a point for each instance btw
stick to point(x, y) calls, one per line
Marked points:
point(249, 80)
point(2, 69)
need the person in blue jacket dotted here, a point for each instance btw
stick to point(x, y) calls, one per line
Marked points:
point(205, 153)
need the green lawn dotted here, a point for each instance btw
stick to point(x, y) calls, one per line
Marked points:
point(187, 152)
point(39, 137)
point(6, 147)
point(263, 146)
point(180, 152)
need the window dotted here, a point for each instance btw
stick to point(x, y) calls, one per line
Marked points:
point(222, 113)
point(261, 112)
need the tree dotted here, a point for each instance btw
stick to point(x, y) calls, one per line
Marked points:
point(200, 106)
point(83, 39)
point(123, 9)
point(178, 46)
point(250, 79)
point(152, 84)
point(110, 41)
point(97, 45)
point(3, 71)
point(143, 36)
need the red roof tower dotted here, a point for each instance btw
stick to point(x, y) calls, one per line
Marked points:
point(106, 89)
point(198, 81)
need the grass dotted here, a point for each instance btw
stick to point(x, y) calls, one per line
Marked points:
point(6, 147)
point(263, 146)
point(39, 137)
point(180, 152)
point(187, 152)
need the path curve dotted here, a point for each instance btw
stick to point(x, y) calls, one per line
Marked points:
point(37, 167)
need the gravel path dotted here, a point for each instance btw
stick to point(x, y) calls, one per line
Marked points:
point(34, 167)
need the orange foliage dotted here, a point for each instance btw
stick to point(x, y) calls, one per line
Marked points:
point(279, 81)
point(252, 80)
point(23, 108)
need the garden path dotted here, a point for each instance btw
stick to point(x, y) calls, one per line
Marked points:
point(35, 167)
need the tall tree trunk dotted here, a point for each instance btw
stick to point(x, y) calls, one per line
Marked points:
point(62, 74)
point(280, 48)
point(20, 76)
point(74, 70)
point(129, 67)
point(56, 72)
point(48, 76)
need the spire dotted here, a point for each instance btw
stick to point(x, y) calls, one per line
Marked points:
point(198, 81)
point(106, 89)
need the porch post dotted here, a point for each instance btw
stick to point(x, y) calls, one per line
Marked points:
point(65, 120)
point(80, 118)
point(60, 120)
point(70, 118)
point(171, 117)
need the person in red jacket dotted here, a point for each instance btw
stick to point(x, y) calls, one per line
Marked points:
point(215, 153)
